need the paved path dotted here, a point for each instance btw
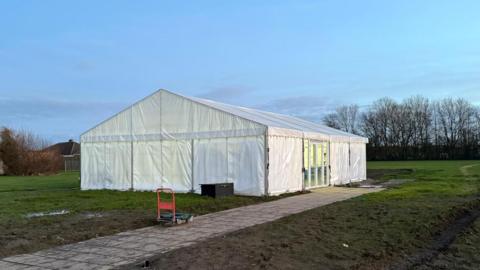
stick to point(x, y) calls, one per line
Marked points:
point(132, 246)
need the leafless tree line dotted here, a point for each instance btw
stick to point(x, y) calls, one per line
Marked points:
point(23, 153)
point(416, 128)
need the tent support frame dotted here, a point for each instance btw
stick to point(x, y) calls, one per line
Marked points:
point(192, 172)
point(266, 161)
point(131, 149)
point(303, 164)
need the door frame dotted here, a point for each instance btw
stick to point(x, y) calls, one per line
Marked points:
point(314, 145)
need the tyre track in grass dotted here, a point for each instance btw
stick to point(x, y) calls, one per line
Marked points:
point(466, 173)
point(442, 241)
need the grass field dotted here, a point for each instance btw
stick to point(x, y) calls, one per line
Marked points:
point(92, 213)
point(375, 231)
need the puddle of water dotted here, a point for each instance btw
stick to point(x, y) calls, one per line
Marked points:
point(396, 182)
point(370, 186)
point(52, 213)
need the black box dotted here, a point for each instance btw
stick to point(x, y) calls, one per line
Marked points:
point(217, 190)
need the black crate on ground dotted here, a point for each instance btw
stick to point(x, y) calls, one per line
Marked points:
point(217, 190)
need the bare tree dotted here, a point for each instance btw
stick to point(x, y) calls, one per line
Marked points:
point(419, 129)
point(344, 118)
point(455, 121)
point(476, 124)
point(420, 124)
point(385, 111)
point(331, 120)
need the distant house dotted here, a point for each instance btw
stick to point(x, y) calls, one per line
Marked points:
point(71, 154)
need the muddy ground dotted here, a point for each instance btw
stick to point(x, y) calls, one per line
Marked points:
point(34, 234)
point(382, 175)
point(463, 253)
point(439, 252)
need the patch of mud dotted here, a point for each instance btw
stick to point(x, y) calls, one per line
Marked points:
point(17, 244)
point(371, 183)
point(386, 178)
point(33, 234)
point(462, 254)
point(396, 182)
point(380, 175)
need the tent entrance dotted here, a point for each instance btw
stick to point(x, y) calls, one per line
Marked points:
point(316, 161)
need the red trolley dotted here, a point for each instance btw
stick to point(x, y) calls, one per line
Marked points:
point(169, 215)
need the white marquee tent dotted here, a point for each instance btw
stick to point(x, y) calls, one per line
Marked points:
point(170, 140)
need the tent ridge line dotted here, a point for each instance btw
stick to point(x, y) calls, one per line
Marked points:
point(124, 110)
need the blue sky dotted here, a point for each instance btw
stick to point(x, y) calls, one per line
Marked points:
point(65, 66)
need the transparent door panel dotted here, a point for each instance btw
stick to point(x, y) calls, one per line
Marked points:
point(321, 178)
point(315, 164)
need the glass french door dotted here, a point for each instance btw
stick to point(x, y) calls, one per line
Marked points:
point(316, 172)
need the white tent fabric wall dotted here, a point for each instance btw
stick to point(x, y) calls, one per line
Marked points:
point(246, 164)
point(168, 140)
point(147, 165)
point(117, 155)
point(357, 162)
point(101, 162)
point(177, 165)
point(339, 165)
point(210, 159)
point(285, 164)
point(348, 162)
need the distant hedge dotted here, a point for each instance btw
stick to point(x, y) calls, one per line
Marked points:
point(22, 154)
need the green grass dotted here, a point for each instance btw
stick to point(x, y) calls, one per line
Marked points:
point(433, 178)
point(23, 195)
point(60, 181)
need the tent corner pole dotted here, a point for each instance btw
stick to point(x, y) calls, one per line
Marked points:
point(131, 148)
point(192, 160)
point(265, 159)
point(131, 165)
point(303, 163)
